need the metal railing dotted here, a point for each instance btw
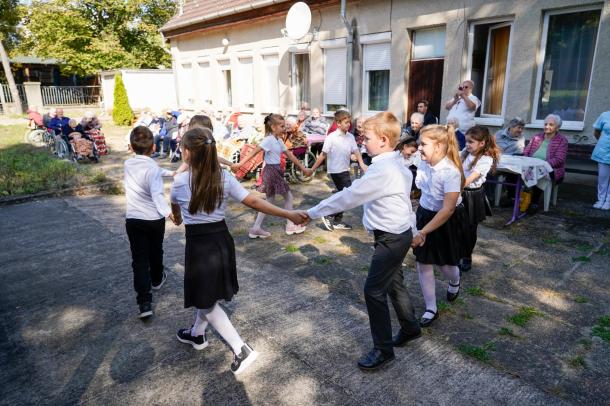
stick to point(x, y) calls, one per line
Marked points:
point(7, 98)
point(70, 95)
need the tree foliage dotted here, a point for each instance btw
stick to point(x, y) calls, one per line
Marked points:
point(92, 35)
point(121, 112)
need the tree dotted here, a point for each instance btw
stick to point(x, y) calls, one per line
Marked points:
point(9, 17)
point(87, 36)
point(121, 111)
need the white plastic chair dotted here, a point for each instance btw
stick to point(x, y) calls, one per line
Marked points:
point(550, 195)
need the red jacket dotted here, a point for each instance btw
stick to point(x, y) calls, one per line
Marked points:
point(556, 153)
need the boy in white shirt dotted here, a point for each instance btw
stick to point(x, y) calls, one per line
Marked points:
point(339, 147)
point(145, 217)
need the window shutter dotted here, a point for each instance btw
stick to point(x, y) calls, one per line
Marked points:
point(335, 76)
point(377, 56)
point(247, 81)
point(271, 63)
point(186, 85)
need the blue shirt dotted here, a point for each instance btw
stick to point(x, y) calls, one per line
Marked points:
point(601, 153)
point(60, 125)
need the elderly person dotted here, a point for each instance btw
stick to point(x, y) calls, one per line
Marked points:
point(34, 117)
point(315, 124)
point(510, 139)
point(90, 122)
point(463, 105)
point(301, 117)
point(601, 154)
point(459, 135)
point(48, 116)
point(417, 122)
point(429, 118)
point(551, 146)
point(59, 123)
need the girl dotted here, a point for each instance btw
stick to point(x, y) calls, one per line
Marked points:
point(199, 196)
point(274, 182)
point(441, 218)
point(479, 157)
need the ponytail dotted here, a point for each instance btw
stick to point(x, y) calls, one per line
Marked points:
point(445, 135)
point(490, 148)
point(270, 121)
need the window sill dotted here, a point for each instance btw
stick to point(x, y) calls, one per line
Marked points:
point(493, 121)
point(566, 126)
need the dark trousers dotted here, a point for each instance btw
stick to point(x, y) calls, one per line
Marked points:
point(341, 181)
point(146, 243)
point(385, 279)
point(165, 140)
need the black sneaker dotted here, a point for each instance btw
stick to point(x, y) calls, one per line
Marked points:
point(243, 360)
point(328, 223)
point(146, 310)
point(184, 336)
point(465, 264)
point(342, 226)
point(160, 284)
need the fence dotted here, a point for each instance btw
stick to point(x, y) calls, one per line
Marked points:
point(6, 97)
point(70, 95)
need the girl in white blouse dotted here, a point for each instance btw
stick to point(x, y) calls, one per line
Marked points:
point(480, 156)
point(441, 218)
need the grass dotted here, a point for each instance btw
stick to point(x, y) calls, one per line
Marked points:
point(580, 299)
point(505, 331)
point(323, 260)
point(586, 343)
point(584, 247)
point(319, 240)
point(551, 241)
point(479, 352)
point(364, 269)
point(602, 328)
point(581, 258)
point(291, 248)
point(99, 177)
point(475, 291)
point(577, 362)
point(524, 315)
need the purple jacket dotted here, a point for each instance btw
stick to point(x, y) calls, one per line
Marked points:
point(556, 153)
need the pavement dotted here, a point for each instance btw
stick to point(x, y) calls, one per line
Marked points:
point(69, 332)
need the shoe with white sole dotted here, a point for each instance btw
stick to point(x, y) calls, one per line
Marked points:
point(163, 279)
point(606, 206)
point(328, 223)
point(258, 233)
point(242, 361)
point(199, 342)
point(598, 205)
point(294, 229)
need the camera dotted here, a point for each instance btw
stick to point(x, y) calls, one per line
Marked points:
point(460, 88)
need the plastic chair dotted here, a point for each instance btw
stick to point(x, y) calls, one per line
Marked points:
point(550, 195)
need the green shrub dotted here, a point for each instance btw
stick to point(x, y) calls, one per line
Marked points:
point(121, 112)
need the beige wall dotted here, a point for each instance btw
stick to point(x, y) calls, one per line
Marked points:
point(374, 17)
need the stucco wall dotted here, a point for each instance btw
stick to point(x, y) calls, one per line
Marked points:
point(153, 89)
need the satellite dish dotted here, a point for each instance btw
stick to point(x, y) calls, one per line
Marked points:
point(298, 21)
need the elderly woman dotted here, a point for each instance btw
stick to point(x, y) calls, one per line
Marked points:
point(459, 135)
point(601, 154)
point(551, 146)
point(510, 139)
point(90, 121)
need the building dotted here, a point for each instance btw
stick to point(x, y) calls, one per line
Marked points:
point(527, 58)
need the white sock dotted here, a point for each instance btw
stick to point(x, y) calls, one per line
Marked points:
point(288, 206)
point(427, 283)
point(200, 324)
point(453, 274)
point(221, 323)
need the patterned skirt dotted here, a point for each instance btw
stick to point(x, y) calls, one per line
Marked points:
point(274, 182)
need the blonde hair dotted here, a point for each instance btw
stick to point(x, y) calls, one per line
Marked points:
point(445, 135)
point(384, 124)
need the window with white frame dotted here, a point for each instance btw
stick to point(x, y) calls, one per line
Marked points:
point(205, 83)
point(376, 77)
point(568, 45)
point(299, 78)
point(489, 61)
point(335, 81)
point(246, 83)
point(185, 85)
point(271, 91)
point(226, 88)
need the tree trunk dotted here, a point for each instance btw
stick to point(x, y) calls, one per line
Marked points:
point(10, 79)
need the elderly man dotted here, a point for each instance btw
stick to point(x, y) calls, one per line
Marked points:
point(417, 122)
point(463, 105)
point(429, 118)
point(59, 123)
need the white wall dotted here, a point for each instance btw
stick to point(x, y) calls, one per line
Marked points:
point(150, 88)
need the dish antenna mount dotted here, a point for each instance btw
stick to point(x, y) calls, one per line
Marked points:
point(298, 21)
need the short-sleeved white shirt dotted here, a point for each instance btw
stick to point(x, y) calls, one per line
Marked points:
point(181, 195)
point(435, 181)
point(273, 148)
point(338, 147)
point(464, 115)
point(482, 167)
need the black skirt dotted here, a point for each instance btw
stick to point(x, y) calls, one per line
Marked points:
point(210, 272)
point(447, 244)
point(476, 204)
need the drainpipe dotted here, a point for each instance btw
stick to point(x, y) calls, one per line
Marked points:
point(350, 50)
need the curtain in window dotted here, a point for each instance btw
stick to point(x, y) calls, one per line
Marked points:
point(379, 90)
point(496, 71)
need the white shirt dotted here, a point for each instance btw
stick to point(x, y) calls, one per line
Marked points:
point(435, 181)
point(482, 167)
point(273, 148)
point(415, 160)
point(464, 115)
point(181, 194)
point(384, 191)
point(144, 189)
point(338, 147)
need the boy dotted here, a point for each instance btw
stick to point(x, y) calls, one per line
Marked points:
point(384, 193)
point(145, 217)
point(339, 146)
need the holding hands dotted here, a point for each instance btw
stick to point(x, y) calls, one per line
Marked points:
point(299, 217)
point(419, 240)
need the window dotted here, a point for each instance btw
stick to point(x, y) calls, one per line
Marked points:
point(568, 47)
point(225, 83)
point(489, 63)
point(300, 78)
point(429, 43)
point(376, 86)
point(246, 83)
point(271, 92)
point(185, 85)
point(335, 86)
point(205, 83)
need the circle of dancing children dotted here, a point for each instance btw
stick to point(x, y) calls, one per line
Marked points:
point(337, 151)
point(274, 182)
point(199, 198)
point(383, 192)
point(441, 216)
point(480, 156)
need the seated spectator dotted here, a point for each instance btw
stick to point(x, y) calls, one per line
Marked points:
point(417, 122)
point(294, 137)
point(510, 139)
point(459, 135)
point(74, 127)
point(551, 146)
point(34, 117)
point(47, 117)
point(232, 120)
point(429, 118)
point(59, 123)
point(315, 124)
point(220, 130)
point(169, 128)
point(301, 117)
point(90, 122)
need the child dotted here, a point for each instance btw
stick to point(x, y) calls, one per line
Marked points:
point(274, 182)
point(441, 218)
point(411, 159)
point(339, 146)
point(480, 156)
point(145, 217)
point(199, 196)
point(384, 193)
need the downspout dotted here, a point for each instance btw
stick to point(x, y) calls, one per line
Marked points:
point(350, 50)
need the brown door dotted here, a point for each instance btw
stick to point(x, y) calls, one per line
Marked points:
point(425, 83)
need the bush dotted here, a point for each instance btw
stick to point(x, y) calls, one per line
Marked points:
point(121, 111)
